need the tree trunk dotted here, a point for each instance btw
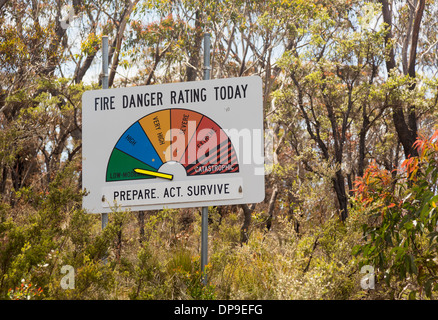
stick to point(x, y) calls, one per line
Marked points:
point(140, 216)
point(192, 67)
point(114, 53)
point(247, 212)
point(2, 3)
point(271, 207)
point(362, 142)
point(339, 185)
point(407, 131)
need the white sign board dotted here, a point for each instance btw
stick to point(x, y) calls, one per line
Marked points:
point(175, 145)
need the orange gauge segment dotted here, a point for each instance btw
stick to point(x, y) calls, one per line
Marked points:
point(157, 126)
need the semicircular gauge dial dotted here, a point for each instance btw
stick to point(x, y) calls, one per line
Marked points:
point(179, 135)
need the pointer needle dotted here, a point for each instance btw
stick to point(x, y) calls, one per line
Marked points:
point(155, 174)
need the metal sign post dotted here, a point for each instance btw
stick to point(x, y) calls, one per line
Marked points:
point(204, 230)
point(104, 215)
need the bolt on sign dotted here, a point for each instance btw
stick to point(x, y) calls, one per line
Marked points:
point(174, 145)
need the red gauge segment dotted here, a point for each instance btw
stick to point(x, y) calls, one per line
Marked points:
point(184, 124)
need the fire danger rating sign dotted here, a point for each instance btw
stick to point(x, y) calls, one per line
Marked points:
point(173, 145)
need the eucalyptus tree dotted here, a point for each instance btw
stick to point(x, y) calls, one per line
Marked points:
point(47, 48)
point(404, 22)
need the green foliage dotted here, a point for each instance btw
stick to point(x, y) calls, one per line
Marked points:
point(188, 276)
point(51, 232)
point(401, 236)
point(144, 272)
point(281, 265)
point(24, 292)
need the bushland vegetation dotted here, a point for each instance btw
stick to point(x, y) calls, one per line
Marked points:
point(350, 93)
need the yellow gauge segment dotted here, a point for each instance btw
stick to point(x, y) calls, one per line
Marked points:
point(155, 174)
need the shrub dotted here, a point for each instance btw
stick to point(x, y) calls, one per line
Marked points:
point(401, 236)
